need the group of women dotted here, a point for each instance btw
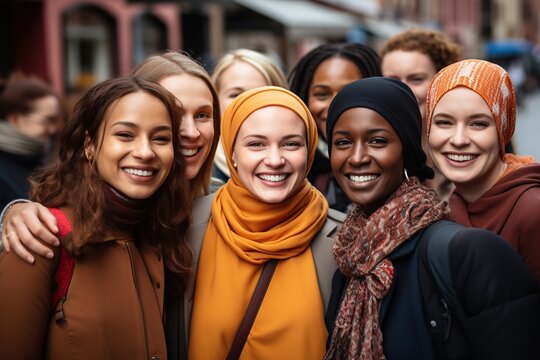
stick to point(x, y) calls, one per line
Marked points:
point(268, 224)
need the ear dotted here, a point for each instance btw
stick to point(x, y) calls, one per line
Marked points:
point(234, 159)
point(89, 148)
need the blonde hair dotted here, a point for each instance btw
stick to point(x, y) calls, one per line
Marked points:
point(157, 67)
point(271, 72)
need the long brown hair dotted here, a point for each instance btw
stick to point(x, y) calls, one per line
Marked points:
point(158, 67)
point(72, 181)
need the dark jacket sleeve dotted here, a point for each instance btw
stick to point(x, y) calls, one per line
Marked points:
point(25, 298)
point(500, 296)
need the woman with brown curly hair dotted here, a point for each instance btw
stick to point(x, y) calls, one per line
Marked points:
point(118, 191)
point(189, 82)
point(414, 57)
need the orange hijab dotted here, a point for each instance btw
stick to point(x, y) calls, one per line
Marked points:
point(488, 80)
point(245, 232)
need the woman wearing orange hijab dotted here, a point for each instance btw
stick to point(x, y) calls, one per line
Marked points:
point(471, 114)
point(267, 210)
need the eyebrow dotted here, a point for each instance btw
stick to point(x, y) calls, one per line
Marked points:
point(473, 116)
point(133, 126)
point(286, 137)
point(325, 86)
point(370, 131)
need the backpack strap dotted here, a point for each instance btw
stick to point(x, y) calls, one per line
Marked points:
point(64, 270)
point(443, 308)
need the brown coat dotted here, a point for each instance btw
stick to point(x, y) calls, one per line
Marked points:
point(511, 209)
point(114, 306)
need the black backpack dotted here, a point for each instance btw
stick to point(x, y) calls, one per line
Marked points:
point(443, 309)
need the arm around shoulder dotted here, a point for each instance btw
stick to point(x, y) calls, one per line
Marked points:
point(499, 295)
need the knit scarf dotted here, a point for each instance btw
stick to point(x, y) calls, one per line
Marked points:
point(122, 212)
point(362, 247)
point(15, 142)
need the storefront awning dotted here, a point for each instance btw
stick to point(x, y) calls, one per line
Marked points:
point(303, 18)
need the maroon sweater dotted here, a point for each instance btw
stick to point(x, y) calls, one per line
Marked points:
point(511, 209)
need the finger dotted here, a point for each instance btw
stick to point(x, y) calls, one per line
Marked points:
point(26, 238)
point(19, 249)
point(5, 241)
point(48, 219)
point(28, 225)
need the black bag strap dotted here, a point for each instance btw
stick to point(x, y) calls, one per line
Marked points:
point(442, 305)
point(252, 310)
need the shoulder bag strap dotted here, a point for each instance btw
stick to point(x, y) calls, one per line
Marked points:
point(252, 310)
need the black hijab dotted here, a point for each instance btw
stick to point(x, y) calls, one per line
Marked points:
point(395, 102)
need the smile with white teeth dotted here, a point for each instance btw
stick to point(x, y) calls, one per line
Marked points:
point(139, 172)
point(189, 152)
point(272, 178)
point(362, 178)
point(461, 158)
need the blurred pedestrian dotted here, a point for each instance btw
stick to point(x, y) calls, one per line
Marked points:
point(29, 116)
point(414, 56)
point(316, 79)
point(236, 72)
point(470, 117)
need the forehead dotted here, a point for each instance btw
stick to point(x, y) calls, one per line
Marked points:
point(336, 68)
point(462, 99)
point(362, 119)
point(273, 120)
point(406, 61)
point(241, 74)
point(138, 107)
point(182, 86)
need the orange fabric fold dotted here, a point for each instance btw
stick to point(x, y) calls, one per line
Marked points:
point(243, 233)
point(514, 162)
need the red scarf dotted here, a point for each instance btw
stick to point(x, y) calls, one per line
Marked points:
point(362, 247)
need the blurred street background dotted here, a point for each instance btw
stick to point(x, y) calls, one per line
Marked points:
point(73, 44)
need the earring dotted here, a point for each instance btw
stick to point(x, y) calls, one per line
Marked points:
point(406, 175)
point(234, 165)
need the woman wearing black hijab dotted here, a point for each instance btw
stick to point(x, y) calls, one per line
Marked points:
point(377, 308)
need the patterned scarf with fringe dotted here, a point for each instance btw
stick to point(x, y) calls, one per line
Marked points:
point(361, 249)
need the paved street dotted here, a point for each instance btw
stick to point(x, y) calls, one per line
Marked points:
point(526, 138)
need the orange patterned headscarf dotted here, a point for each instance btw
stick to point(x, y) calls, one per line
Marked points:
point(488, 80)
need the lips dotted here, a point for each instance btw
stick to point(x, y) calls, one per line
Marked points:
point(461, 157)
point(190, 152)
point(362, 178)
point(139, 172)
point(273, 177)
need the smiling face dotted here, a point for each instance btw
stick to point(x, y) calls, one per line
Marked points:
point(367, 157)
point(136, 153)
point(197, 127)
point(414, 69)
point(330, 76)
point(270, 152)
point(464, 144)
point(236, 79)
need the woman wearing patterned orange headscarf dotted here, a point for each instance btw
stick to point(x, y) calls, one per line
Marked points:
point(267, 210)
point(471, 114)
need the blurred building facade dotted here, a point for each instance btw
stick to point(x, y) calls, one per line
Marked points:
point(76, 43)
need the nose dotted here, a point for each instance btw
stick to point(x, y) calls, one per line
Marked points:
point(188, 129)
point(274, 157)
point(460, 137)
point(360, 155)
point(143, 150)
